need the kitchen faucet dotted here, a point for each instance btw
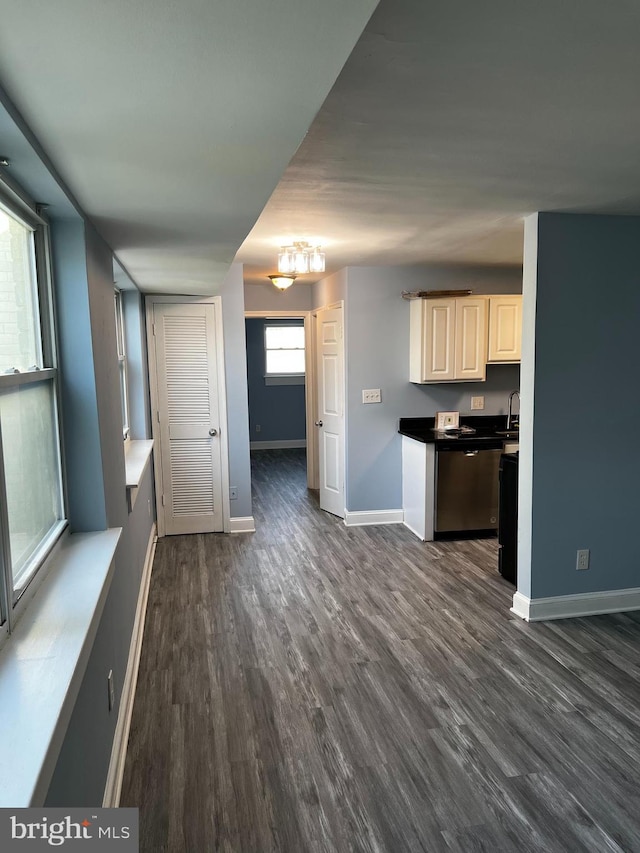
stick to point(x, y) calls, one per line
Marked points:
point(510, 409)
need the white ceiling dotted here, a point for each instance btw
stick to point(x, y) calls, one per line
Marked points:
point(453, 120)
point(173, 123)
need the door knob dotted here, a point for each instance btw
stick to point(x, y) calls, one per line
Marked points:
point(318, 423)
point(213, 432)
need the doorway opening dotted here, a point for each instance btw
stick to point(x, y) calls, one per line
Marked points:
point(281, 384)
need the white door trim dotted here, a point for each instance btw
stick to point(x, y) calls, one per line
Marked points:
point(150, 301)
point(310, 391)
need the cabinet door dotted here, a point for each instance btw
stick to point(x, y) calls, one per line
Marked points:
point(505, 328)
point(432, 353)
point(439, 348)
point(471, 339)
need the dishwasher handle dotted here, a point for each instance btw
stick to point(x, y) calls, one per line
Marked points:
point(466, 445)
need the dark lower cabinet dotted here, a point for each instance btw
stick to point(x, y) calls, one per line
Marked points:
point(508, 519)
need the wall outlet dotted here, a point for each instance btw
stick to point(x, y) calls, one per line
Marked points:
point(371, 395)
point(111, 689)
point(582, 559)
point(257, 427)
point(233, 493)
point(477, 403)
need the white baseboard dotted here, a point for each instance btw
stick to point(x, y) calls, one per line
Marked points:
point(246, 524)
point(376, 516)
point(582, 604)
point(278, 445)
point(115, 774)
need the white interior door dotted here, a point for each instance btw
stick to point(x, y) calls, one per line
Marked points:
point(188, 417)
point(330, 422)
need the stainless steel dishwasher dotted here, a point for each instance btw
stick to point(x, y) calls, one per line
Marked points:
point(467, 486)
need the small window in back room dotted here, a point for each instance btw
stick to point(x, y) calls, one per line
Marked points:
point(284, 351)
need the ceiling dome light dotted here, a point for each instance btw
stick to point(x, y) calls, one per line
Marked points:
point(282, 282)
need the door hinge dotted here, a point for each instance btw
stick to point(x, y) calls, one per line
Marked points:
point(158, 416)
point(153, 329)
point(163, 500)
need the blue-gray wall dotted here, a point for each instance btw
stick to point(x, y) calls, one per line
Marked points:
point(331, 289)
point(137, 361)
point(578, 457)
point(83, 460)
point(235, 357)
point(266, 297)
point(377, 356)
point(107, 375)
point(96, 488)
point(278, 409)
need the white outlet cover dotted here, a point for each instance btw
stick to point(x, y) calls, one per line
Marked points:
point(582, 559)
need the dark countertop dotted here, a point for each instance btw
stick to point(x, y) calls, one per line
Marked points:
point(486, 429)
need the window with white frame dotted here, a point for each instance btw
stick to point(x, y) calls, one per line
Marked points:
point(284, 351)
point(31, 491)
point(122, 362)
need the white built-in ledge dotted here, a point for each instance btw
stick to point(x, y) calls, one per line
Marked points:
point(44, 660)
point(136, 461)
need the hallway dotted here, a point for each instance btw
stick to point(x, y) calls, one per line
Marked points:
point(313, 687)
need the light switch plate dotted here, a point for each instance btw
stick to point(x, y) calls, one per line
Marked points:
point(371, 395)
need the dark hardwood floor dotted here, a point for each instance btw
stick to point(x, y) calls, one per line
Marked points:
point(318, 688)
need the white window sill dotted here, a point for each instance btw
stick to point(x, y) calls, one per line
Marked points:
point(285, 379)
point(136, 461)
point(43, 662)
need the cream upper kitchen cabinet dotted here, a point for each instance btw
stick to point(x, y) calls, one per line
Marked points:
point(505, 328)
point(448, 340)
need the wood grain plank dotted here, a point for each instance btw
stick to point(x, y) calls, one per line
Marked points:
point(313, 687)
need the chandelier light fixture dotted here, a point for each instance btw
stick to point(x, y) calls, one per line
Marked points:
point(300, 258)
point(282, 282)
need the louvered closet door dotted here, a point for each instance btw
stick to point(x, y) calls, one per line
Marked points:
point(188, 412)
